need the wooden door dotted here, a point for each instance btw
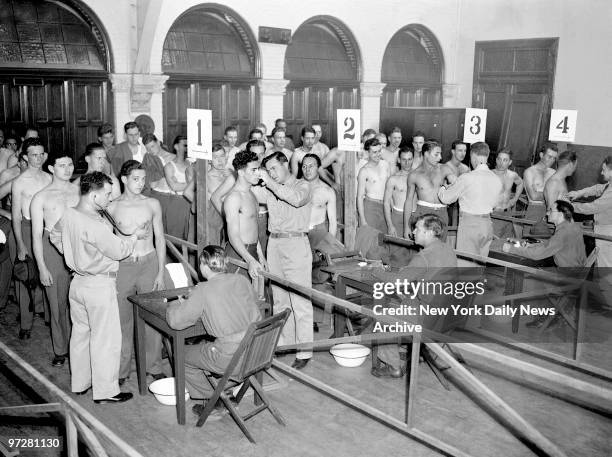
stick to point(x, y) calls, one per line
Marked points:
point(240, 108)
point(494, 98)
point(88, 110)
point(177, 98)
point(295, 111)
point(521, 126)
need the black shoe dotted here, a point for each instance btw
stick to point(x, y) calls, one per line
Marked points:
point(119, 398)
point(298, 364)
point(157, 376)
point(122, 381)
point(315, 327)
point(24, 334)
point(384, 370)
point(59, 360)
point(214, 415)
point(82, 392)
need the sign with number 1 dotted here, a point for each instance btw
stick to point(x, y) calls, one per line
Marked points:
point(562, 125)
point(199, 134)
point(349, 128)
point(475, 125)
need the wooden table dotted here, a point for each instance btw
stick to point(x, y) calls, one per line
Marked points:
point(515, 278)
point(151, 309)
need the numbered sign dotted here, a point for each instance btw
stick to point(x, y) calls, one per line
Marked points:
point(349, 129)
point(199, 134)
point(562, 125)
point(475, 125)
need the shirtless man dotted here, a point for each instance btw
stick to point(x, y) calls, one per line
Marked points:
point(425, 182)
point(308, 138)
point(231, 138)
point(509, 178)
point(143, 270)
point(323, 199)
point(418, 140)
point(254, 134)
point(458, 151)
point(556, 186)
point(24, 187)
point(46, 209)
point(319, 148)
point(535, 178)
point(8, 151)
point(395, 193)
point(97, 160)
point(278, 143)
point(382, 138)
point(371, 182)
point(241, 211)
point(215, 176)
point(390, 153)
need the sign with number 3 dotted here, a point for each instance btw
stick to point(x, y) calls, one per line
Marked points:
point(199, 134)
point(349, 129)
point(475, 125)
point(562, 125)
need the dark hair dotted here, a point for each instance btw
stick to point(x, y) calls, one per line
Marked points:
point(28, 143)
point(278, 121)
point(214, 257)
point(395, 129)
point(418, 133)
point(429, 146)
point(480, 149)
point(278, 129)
point(255, 131)
point(148, 138)
point(177, 140)
point(406, 148)
point(230, 128)
point(276, 155)
point(217, 147)
point(312, 156)
point(93, 181)
point(58, 155)
point(104, 129)
point(371, 142)
point(243, 158)
point(505, 151)
point(433, 223)
point(30, 128)
point(608, 162)
point(306, 130)
point(548, 145)
point(129, 166)
point(255, 143)
point(566, 157)
point(456, 142)
point(566, 208)
point(368, 132)
point(130, 125)
point(91, 147)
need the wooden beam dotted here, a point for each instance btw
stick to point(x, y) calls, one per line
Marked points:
point(380, 416)
point(30, 409)
point(201, 204)
point(89, 438)
point(350, 198)
point(181, 259)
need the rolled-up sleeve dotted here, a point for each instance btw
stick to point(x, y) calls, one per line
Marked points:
point(298, 195)
point(184, 313)
point(450, 194)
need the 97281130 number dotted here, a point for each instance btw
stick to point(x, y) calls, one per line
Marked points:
point(33, 442)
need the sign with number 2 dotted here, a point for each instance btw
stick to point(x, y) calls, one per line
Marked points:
point(349, 128)
point(475, 125)
point(562, 125)
point(199, 134)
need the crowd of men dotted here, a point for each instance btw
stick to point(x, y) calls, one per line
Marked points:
point(89, 243)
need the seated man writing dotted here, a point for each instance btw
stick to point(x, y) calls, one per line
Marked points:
point(227, 305)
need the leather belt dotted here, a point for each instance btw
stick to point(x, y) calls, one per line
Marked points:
point(288, 234)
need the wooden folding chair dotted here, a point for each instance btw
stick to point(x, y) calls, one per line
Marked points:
point(565, 303)
point(253, 357)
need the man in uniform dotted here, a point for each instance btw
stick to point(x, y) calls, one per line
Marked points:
point(289, 254)
point(535, 178)
point(93, 252)
point(24, 187)
point(509, 178)
point(48, 207)
point(241, 209)
point(143, 270)
point(395, 193)
point(424, 182)
point(478, 193)
point(371, 182)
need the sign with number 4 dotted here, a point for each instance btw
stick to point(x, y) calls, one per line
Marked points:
point(349, 129)
point(562, 125)
point(475, 125)
point(199, 134)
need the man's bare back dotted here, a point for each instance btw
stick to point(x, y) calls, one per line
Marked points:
point(459, 169)
point(130, 214)
point(555, 187)
point(55, 201)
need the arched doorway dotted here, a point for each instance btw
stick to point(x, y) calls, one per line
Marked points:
point(323, 66)
point(212, 59)
point(54, 66)
point(412, 69)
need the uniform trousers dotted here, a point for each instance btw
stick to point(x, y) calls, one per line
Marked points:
point(503, 229)
point(374, 214)
point(474, 234)
point(95, 341)
point(57, 296)
point(136, 276)
point(291, 258)
point(262, 228)
point(23, 295)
